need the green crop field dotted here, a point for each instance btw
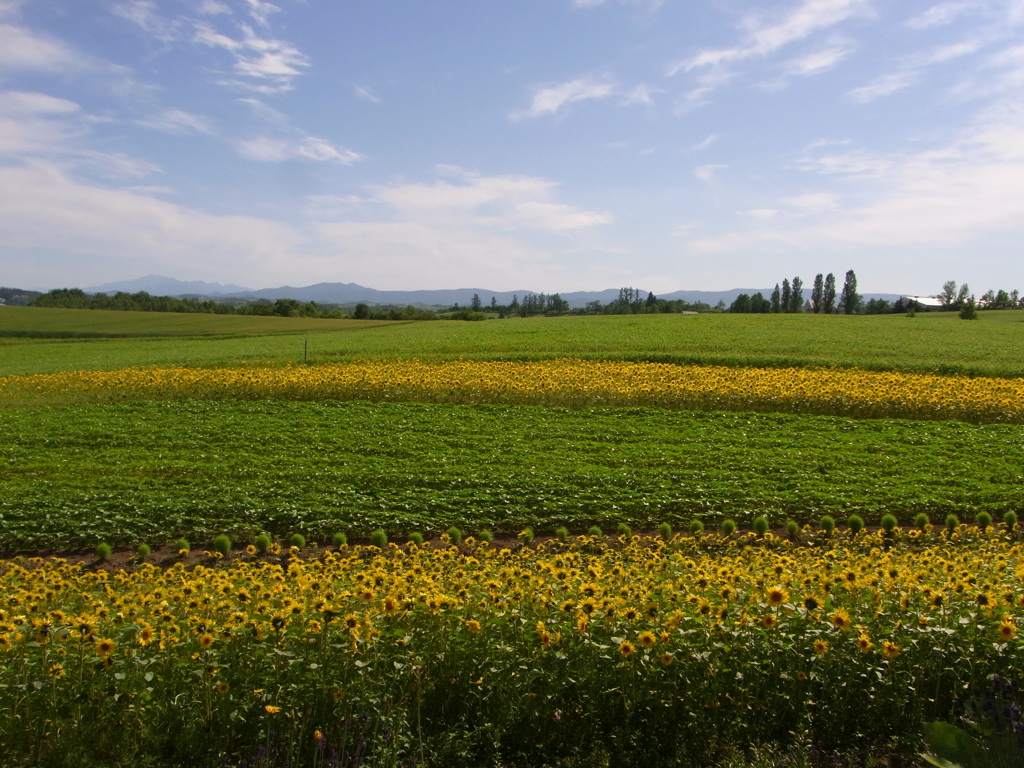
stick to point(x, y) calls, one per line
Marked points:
point(930, 342)
point(127, 472)
point(143, 472)
point(782, 643)
point(41, 323)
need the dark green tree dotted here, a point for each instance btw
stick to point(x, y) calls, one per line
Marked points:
point(286, 307)
point(817, 291)
point(741, 304)
point(557, 304)
point(828, 295)
point(759, 304)
point(850, 300)
point(796, 295)
point(776, 299)
point(947, 297)
point(961, 296)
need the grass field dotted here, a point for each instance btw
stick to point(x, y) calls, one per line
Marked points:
point(806, 647)
point(930, 342)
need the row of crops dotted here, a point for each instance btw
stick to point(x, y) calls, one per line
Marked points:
point(149, 471)
point(638, 651)
point(561, 382)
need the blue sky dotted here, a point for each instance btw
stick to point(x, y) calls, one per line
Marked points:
point(551, 145)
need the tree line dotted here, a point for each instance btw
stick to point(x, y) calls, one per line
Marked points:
point(630, 301)
point(76, 298)
point(789, 298)
point(954, 298)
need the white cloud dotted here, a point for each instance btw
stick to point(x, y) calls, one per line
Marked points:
point(969, 191)
point(812, 202)
point(817, 62)
point(711, 139)
point(261, 11)
point(762, 214)
point(366, 94)
point(413, 235)
point(212, 8)
point(177, 121)
point(764, 39)
point(499, 202)
point(883, 86)
point(265, 112)
point(549, 100)
point(24, 104)
point(911, 69)
point(461, 224)
point(432, 256)
point(944, 53)
point(267, 65)
point(144, 14)
point(941, 14)
point(269, 149)
point(32, 123)
point(116, 165)
point(47, 210)
point(853, 163)
point(23, 50)
point(809, 65)
point(641, 94)
point(651, 5)
point(706, 173)
point(37, 125)
point(10, 7)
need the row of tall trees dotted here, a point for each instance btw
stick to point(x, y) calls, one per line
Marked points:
point(789, 298)
point(630, 301)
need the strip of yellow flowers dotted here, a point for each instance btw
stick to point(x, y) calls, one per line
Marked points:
point(731, 632)
point(562, 382)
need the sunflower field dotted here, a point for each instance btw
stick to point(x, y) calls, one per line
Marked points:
point(160, 605)
point(632, 650)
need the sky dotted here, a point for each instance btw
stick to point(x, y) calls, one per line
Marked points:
point(548, 145)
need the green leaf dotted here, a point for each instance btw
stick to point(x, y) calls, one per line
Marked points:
point(953, 746)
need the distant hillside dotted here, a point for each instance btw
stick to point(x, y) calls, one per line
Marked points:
point(167, 286)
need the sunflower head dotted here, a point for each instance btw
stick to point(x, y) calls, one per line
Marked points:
point(841, 619)
point(776, 596)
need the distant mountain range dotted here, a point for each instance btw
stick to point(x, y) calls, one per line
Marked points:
point(351, 293)
point(155, 285)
